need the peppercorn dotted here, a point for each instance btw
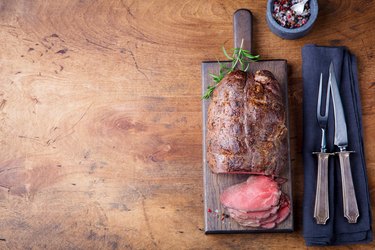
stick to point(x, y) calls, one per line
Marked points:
point(286, 17)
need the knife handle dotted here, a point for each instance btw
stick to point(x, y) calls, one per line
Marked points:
point(321, 209)
point(348, 194)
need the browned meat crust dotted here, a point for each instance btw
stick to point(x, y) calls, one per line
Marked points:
point(246, 130)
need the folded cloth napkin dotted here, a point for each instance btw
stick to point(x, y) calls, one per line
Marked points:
point(337, 231)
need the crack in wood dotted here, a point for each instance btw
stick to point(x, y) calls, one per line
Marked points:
point(145, 215)
point(2, 104)
point(70, 130)
point(123, 50)
point(99, 45)
point(127, 9)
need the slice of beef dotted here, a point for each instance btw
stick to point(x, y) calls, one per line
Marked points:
point(253, 215)
point(284, 211)
point(258, 202)
point(270, 219)
point(269, 225)
point(281, 213)
point(258, 193)
point(256, 222)
point(246, 130)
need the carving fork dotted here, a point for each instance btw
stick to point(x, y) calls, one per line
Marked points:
point(321, 209)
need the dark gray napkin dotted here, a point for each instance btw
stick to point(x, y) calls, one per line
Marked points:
point(337, 231)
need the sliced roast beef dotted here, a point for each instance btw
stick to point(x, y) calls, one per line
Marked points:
point(281, 214)
point(284, 211)
point(258, 202)
point(269, 225)
point(246, 130)
point(271, 221)
point(253, 215)
point(277, 217)
point(256, 222)
point(258, 193)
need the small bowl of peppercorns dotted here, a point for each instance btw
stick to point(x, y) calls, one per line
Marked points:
point(286, 23)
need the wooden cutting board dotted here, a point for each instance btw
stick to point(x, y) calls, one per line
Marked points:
point(214, 184)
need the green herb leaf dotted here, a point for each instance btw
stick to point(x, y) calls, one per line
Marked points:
point(209, 91)
point(239, 56)
point(226, 54)
point(246, 54)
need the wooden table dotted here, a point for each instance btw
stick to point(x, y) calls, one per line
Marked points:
point(101, 124)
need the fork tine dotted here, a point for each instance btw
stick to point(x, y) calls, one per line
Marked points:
point(323, 118)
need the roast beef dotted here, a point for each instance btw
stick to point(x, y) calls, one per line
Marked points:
point(253, 215)
point(258, 193)
point(246, 130)
point(258, 202)
point(284, 211)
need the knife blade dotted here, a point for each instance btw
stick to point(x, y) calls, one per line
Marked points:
point(341, 141)
point(341, 134)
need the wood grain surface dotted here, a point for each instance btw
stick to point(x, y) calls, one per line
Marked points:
point(101, 128)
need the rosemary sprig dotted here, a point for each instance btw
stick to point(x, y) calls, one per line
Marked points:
point(239, 56)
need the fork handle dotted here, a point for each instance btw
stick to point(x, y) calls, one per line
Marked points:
point(321, 209)
point(348, 193)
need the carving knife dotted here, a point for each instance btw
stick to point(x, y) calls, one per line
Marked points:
point(341, 141)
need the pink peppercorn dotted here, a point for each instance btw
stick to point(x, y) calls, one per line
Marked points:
point(286, 17)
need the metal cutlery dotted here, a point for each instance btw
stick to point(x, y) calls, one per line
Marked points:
point(341, 141)
point(321, 209)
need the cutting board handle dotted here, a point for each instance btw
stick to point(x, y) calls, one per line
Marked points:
point(243, 28)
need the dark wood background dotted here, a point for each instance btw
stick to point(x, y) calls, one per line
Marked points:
point(101, 123)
